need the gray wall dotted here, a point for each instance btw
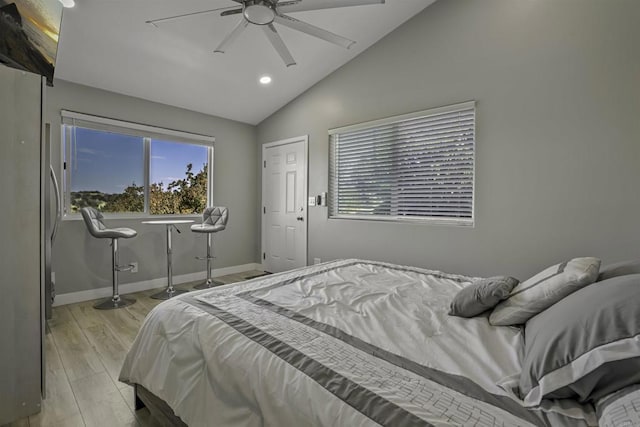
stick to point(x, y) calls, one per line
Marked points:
point(82, 262)
point(558, 132)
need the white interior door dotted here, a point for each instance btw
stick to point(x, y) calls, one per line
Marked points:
point(284, 200)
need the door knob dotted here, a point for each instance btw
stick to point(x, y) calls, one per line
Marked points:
point(300, 218)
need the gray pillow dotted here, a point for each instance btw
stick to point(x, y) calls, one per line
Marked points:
point(585, 346)
point(481, 295)
point(619, 269)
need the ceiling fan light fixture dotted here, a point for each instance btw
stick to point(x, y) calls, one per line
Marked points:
point(268, 13)
point(265, 80)
point(259, 12)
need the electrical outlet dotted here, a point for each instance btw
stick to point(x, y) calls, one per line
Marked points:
point(317, 260)
point(135, 267)
point(312, 201)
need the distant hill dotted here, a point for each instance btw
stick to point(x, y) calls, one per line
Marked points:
point(16, 50)
point(97, 199)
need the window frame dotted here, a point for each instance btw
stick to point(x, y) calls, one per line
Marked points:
point(68, 119)
point(445, 221)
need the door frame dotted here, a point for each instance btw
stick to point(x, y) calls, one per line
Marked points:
point(263, 166)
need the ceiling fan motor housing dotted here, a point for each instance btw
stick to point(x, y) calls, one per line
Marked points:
point(259, 12)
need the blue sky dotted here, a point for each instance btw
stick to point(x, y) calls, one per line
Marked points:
point(109, 162)
point(169, 160)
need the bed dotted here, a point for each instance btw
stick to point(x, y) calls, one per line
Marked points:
point(345, 343)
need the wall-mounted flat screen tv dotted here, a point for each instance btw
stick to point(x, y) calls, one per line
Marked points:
point(29, 31)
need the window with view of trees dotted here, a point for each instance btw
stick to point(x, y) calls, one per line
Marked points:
point(122, 171)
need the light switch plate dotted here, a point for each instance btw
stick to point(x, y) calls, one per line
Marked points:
point(312, 201)
point(323, 198)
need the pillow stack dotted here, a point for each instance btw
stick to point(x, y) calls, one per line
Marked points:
point(581, 342)
point(585, 346)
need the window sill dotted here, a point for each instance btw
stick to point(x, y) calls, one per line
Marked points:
point(144, 217)
point(470, 223)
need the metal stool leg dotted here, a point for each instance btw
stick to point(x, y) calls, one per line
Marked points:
point(170, 291)
point(116, 301)
point(209, 283)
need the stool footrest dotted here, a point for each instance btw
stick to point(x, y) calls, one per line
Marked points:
point(127, 267)
point(204, 258)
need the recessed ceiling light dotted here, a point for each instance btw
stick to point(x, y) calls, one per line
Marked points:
point(67, 3)
point(265, 80)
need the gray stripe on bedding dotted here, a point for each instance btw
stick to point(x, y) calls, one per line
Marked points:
point(361, 399)
point(458, 383)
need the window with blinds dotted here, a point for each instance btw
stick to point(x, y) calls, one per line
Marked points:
point(418, 167)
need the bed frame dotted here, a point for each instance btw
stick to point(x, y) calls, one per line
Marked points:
point(158, 408)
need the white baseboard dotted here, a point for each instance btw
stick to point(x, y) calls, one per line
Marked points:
point(127, 288)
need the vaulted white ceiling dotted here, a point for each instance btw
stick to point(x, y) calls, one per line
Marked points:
point(107, 44)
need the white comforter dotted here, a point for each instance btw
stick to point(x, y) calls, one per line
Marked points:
point(345, 343)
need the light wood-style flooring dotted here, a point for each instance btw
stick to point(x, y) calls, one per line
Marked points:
point(85, 349)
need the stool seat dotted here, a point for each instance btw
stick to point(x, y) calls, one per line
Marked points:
point(116, 233)
point(207, 228)
point(93, 220)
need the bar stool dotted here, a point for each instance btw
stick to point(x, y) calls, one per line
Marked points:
point(93, 220)
point(214, 219)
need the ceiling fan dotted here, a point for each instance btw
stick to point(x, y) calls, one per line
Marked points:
point(266, 13)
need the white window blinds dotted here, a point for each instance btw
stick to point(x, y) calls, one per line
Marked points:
point(418, 166)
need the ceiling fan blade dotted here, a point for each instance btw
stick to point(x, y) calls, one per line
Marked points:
point(312, 30)
point(154, 22)
point(302, 6)
point(231, 12)
point(233, 35)
point(278, 44)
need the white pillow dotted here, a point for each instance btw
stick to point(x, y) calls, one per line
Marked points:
point(544, 289)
